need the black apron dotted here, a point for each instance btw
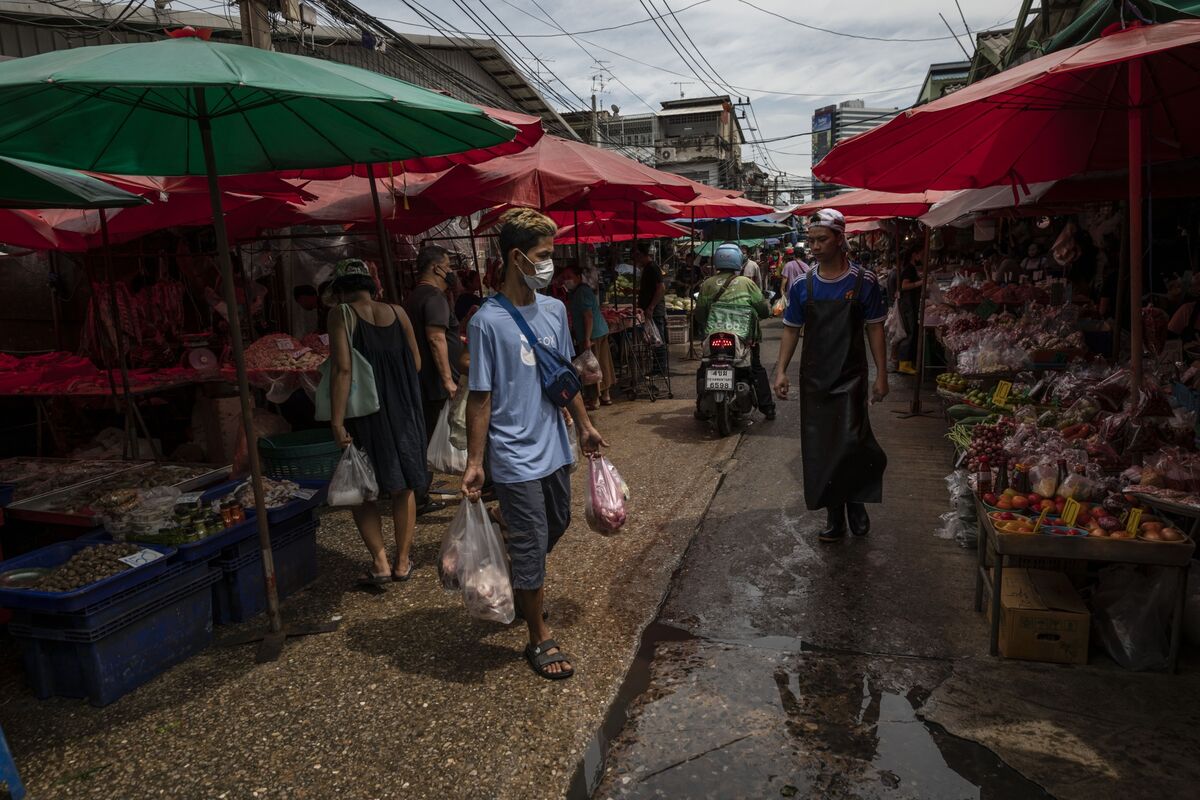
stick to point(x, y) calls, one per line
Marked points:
point(842, 461)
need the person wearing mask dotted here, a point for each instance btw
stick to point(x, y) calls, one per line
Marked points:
point(394, 436)
point(910, 310)
point(651, 292)
point(438, 342)
point(470, 299)
point(522, 433)
point(591, 333)
point(751, 270)
point(732, 302)
point(835, 304)
point(793, 270)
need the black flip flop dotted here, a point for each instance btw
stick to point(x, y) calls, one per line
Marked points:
point(402, 578)
point(539, 659)
point(371, 579)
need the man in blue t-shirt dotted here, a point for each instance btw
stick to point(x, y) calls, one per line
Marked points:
point(834, 304)
point(522, 433)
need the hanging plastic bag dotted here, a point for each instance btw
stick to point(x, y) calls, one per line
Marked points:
point(458, 416)
point(651, 333)
point(353, 482)
point(449, 557)
point(607, 495)
point(482, 567)
point(1132, 608)
point(588, 367)
point(894, 324)
point(442, 455)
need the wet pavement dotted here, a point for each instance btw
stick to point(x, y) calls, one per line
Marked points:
point(783, 667)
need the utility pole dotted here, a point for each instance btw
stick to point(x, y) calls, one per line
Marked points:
point(256, 23)
point(594, 128)
point(681, 84)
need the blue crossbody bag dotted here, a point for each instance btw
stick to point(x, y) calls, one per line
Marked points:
point(560, 382)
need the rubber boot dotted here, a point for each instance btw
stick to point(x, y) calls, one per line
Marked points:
point(907, 368)
point(860, 522)
point(835, 524)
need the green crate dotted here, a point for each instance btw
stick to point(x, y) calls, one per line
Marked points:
point(304, 454)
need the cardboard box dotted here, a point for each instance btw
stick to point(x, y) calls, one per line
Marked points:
point(1042, 618)
point(1073, 568)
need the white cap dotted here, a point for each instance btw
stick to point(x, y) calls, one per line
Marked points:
point(828, 218)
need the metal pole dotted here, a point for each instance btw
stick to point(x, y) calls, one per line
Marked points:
point(389, 277)
point(118, 335)
point(1122, 282)
point(239, 361)
point(1135, 223)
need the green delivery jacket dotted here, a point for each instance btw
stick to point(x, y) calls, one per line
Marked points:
point(738, 311)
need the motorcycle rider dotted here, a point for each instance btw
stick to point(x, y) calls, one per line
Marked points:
point(733, 303)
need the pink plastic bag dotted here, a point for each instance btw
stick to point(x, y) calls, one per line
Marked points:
point(607, 495)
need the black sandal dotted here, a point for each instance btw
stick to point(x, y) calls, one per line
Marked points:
point(539, 659)
point(402, 578)
point(369, 578)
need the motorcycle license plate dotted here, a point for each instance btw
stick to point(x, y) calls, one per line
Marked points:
point(720, 378)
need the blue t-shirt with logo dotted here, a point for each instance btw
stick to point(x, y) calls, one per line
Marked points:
point(527, 439)
point(874, 307)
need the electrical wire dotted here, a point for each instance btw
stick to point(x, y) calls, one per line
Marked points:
point(563, 33)
point(854, 35)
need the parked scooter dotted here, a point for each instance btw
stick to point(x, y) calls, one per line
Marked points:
point(725, 387)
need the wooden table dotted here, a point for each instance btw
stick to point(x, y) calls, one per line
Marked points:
point(1119, 551)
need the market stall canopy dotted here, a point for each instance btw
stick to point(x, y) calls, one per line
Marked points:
point(1060, 115)
point(133, 109)
point(616, 230)
point(553, 173)
point(1092, 21)
point(529, 131)
point(717, 207)
point(652, 210)
point(28, 185)
point(708, 248)
point(723, 229)
point(870, 203)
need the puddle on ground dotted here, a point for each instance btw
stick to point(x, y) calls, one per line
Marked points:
point(697, 718)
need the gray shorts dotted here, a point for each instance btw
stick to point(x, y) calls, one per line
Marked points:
point(537, 514)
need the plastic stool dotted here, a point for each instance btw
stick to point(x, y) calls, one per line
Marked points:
point(8, 771)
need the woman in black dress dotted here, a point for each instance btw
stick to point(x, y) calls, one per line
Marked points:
point(394, 436)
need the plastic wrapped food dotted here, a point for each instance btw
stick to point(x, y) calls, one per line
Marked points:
point(588, 367)
point(607, 495)
point(353, 481)
point(1044, 479)
point(442, 455)
point(482, 568)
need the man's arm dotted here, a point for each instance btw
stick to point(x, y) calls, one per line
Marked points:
point(479, 418)
point(878, 341)
point(787, 349)
point(907, 285)
point(590, 440)
point(436, 336)
point(586, 336)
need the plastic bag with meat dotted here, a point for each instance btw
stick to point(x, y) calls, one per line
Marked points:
point(588, 367)
point(607, 495)
point(482, 565)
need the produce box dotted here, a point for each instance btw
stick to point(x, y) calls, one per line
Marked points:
point(1075, 569)
point(1042, 618)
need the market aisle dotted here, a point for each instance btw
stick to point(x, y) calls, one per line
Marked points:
point(784, 667)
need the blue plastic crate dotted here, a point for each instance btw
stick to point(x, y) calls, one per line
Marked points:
point(283, 513)
point(240, 594)
point(82, 598)
point(6, 494)
point(113, 659)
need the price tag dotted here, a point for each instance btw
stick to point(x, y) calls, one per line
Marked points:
point(141, 558)
point(1133, 520)
point(304, 494)
point(1071, 512)
point(1000, 396)
point(285, 344)
point(324, 337)
point(301, 351)
point(189, 499)
point(1042, 518)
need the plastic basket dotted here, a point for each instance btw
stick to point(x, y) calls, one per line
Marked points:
point(106, 662)
point(239, 595)
point(308, 454)
point(6, 494)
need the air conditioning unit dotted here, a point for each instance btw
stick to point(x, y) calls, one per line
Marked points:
point(666, 155)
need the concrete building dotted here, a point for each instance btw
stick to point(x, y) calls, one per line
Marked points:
point(833, 124)
point(632, 135)
point(942, 79)
point(701, 139)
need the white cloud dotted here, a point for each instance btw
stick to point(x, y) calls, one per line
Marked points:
point(747, 47)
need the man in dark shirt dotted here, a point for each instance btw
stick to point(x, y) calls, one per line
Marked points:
point(650, 300)
point(910, 309)
point(437, 334)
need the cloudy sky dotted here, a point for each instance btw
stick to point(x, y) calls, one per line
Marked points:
point(876, 50)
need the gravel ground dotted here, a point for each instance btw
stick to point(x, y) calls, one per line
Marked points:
point(409, 697)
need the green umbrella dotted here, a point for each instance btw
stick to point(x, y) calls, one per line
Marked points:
point(24, 184)
point(187, 106)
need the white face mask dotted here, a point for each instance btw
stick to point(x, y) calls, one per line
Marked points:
point(543, 273)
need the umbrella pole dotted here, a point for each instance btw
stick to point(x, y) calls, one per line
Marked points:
point(914, 408)
point(578, 246)
point(1135, 224)
point(273, 640)
point(1122, 282)
point(385, 252)
point(691, 353)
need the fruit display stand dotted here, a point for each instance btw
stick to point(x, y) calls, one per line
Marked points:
point(998, 545)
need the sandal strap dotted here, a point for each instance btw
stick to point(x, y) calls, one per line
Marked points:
point(547, 644)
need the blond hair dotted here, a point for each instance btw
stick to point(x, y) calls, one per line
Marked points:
point(521, 228)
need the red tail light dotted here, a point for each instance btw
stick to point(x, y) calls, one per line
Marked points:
point(720, 341)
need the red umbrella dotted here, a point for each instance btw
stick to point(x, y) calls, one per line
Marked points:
point(869, 203)
point(617, 230)
point(711, 206)
point(653, 210)
point(554, 172)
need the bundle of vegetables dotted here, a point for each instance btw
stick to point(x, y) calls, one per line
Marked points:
point(987, 444)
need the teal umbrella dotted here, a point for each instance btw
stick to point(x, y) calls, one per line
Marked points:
point(187, 106)
point(24, 184)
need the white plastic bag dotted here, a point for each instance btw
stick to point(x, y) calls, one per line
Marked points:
point(1131, 613)
point(482, 566)
point(588, 367)
point(458, 416)
point(443, 456)
point(651, 332)
point(353, 482)
point(894, 324)
point(607, 495)
point(448, 559)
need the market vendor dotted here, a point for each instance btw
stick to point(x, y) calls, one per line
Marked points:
point(911, 282)
point(834, 305)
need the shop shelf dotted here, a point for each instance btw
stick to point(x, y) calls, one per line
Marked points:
point(239, 595)
point(109, 660)
point(84, 597)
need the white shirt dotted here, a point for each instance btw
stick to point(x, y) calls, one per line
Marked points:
point(752, 272)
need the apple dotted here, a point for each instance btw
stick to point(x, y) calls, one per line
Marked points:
point(1007, 516)
point(1060, 504)
point(1020, 501)
point(1035, 498)
point(990, 499)
point(1004, 503)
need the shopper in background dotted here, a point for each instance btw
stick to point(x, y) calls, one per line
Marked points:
point(590, 330)
point(793, 270)
point(835, 304)
point(651, 292)
point(470, 298)
point(438, 342)
point(911, 282)
point(522, 433)
point(394, 436)
point(751, 270)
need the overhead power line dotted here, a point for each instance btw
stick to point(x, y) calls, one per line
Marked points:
point(847, 35)
point(559, 35)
